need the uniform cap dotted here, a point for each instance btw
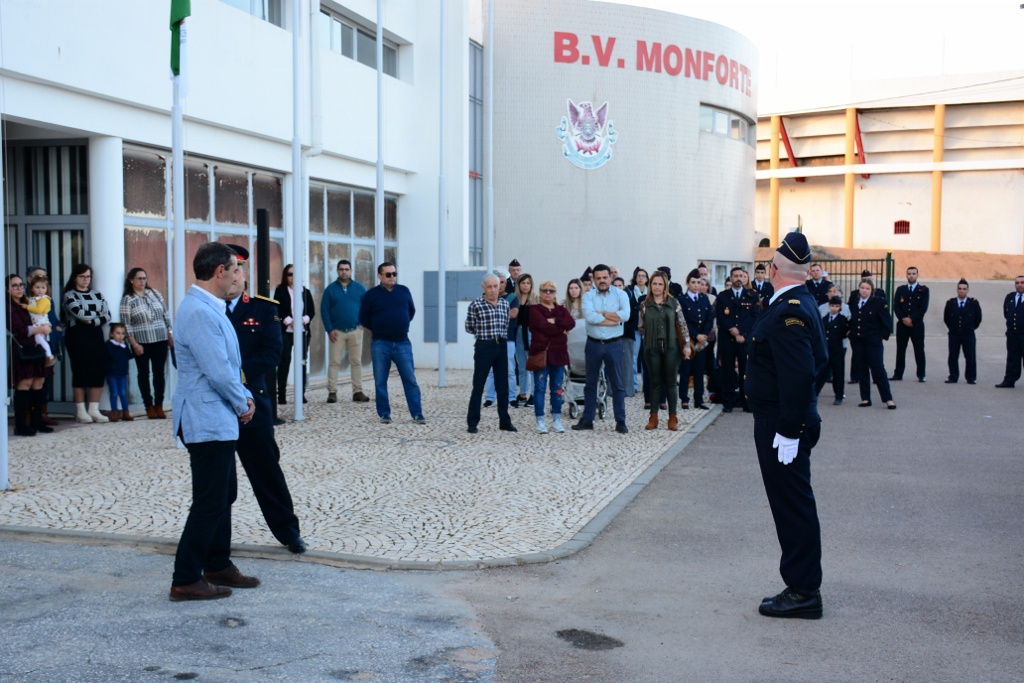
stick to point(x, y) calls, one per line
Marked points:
point(693, 274)
point(963, 282)
point(866, 273)
point(795, 248)
point(701, 265)
point(514, 263)
point(836, 300)
point(666, 270)
point(586, 278)
point(241, 253)
point(588, 272)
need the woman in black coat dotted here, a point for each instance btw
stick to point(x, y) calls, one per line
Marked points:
point(870, 324)
point(283, 294)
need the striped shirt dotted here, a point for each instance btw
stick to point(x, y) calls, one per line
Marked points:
point(489, 322)
point(146, 316)
point(85, 308)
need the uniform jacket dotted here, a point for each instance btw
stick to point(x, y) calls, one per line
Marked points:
point(1014, 315)
point(260, 341)
point(766, 291)
point(855, 296)
point(913, 305)
point(870, 322)
point(699, 314)
point(962, 320)
point(819, 291)
point(835, 331)
point(210, 395)
point(785, 354)
point(740, 312)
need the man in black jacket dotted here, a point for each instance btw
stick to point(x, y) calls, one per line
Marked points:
point(962, 317)
point(817, 284)
point(1013, 313)
point(837, 327)
point(910, 303)
point(736, 310)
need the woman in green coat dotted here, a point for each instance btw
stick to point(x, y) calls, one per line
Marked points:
point(664, 332)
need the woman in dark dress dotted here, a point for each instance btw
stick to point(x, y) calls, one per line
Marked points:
point(85, 312)
point(870, 324)
point(283, 294)
point(26, 379)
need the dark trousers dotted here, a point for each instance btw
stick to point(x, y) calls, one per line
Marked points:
point(286, 363)
point(872, 367)
point(728, 353)
point(837, 368)
point(261, 459)
point(664, 368)
point(792, 502)
point(856, 362)
point(694, 367)
point(153, 356)
point(205, 543)
point(489, 356)
point(1014, 357)
point(968, 343)
point(915, 335)
point(611, 355)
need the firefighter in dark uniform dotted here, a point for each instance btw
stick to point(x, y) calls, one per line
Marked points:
point(817, 284)
point(1013, 312)
point(764, 289)
point(962, 317)
point(259, 340)
point(837, 327)
point(870, 325)
point(700, 318)
point(855, 295)
point(786, 354)
point(736, 310)
point(910, 303)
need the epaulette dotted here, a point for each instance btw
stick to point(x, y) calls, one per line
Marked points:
point(953, 298)
point(266, 298)
point(795, 302)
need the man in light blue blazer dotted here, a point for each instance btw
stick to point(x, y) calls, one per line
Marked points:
point(209, 403)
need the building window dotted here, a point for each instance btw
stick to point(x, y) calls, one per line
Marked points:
point(55, 180)
point(267, 10)
point(901, 228)
point(476, 154)
point(349, 40)
point(727, 124)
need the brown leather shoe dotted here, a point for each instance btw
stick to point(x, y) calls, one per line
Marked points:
point(151, 412)
point(159, 412)
point(47, 420)
point(231, 576)
point(200, 590)
point(653, 422)
point(114, 415)
point(126, 416)
point(673, 423)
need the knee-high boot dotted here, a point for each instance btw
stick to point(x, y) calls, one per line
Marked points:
point(21, 413)
point(36, 398)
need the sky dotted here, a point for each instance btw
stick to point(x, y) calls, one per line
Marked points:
point(817, 49)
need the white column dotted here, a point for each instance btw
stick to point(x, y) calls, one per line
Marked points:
point(106, 218)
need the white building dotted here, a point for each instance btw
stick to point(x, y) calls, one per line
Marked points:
point(86, 102)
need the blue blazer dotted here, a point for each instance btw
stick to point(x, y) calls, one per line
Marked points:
point(210, 395)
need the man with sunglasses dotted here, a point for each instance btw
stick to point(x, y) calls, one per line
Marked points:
point(387, 311)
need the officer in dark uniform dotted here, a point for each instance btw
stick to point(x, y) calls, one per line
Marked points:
point(736, 310)
point(870, 325)
point(259, 339)
point(962, 317)
point(1013, 312)
point(700, 318)
point(764, 289)
point(855, 295)
point(786, 354)
point(817, 284)
point(910, 304)
point(514, 270)
point(837, 327)
point(674, 288)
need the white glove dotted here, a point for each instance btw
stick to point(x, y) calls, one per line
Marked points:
point(787, 448)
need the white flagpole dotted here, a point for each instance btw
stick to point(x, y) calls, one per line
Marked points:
point(378, 198)
point(442, 206)
point(489, 170)
point(5, 483)
point(298, 247)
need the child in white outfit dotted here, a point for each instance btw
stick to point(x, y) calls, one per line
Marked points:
point(39, 306)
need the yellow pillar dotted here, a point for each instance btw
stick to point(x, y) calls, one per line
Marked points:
point(939, 144)
point(851, 132)
point(773, 184)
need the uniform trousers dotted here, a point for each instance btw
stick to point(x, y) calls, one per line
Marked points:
point(837, 368)
point(664, 368)
point(489, 356)
point(610, 354)
point(694, 367)
point(205, 543)
point(968, 342)
point(872, 367)
point(791, 499)
point(261, 459)
point(728, 353)
point(1014, 357)
point(915, 335)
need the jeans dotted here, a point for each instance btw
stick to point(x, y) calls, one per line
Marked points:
point(628, 367)
point(383, 353)
point(489, 386)
point(540, 383)
point(611, 355)
point(636, 360)
point(522, 352)
point(118, 389)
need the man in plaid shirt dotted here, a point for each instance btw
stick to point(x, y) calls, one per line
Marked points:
point(487, 319)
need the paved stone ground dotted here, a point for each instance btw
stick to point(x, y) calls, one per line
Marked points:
point(399, 492)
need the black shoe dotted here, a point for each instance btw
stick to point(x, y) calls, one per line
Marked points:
point(702, 406)
point(583, 424)
point(278, 422)
point(529, 401)
point(1004, 385)
point(837, 402)
point(792, 604)
point(726, 409)
point(282, 400)
point(746, 409)
point(305, 400)
point(508, 427)
point(472, 429)
point(332, 397)
point(488, 403)
point(298, 546)
point(864, 404)
point(971, 381)
point(513, 404)
point(922, 380)
point(854, 381)
point(951, 381)
point(894, 378)
point(621, 428)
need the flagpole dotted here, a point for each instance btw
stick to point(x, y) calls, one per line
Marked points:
point(378, 197)
point(489, 170)
point(5, 483)
point(442, 233)
point(178, 197)
point(298, 247)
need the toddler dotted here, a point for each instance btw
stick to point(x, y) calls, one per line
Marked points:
point(117, 372)
point(38, 306)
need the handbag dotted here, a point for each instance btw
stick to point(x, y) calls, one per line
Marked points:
point(537, 361)
point(31, 355)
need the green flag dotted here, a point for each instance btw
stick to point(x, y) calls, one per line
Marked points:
point(179, 10)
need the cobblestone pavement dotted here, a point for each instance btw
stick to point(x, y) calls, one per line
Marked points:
point(398, 492)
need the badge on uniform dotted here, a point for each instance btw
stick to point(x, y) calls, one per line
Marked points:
point(251, 322)
point(726, 311)
point(795, 302)
point(794, 321)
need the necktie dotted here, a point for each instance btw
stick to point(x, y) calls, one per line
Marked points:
point(861, 305)
point(227, 308)
point(961, 303)
point(1020, 297)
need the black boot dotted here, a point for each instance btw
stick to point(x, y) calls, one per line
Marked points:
point(21, 413)
point(36, 399)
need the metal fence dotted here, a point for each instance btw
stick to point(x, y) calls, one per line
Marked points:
point(845, 274)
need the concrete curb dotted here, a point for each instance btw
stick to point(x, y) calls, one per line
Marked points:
point(578, 542)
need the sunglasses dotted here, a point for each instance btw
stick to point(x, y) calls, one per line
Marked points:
point(393, 273)
point(547, 291)
point(289, 274)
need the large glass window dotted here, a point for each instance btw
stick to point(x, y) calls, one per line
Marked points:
point(727, 124)
point(476, 154)
point(267, 10)
point(145, 184)
point(345, 38)
point(55, 180)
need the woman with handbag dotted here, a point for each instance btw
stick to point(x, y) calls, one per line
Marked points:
point(148, 322)
point(26, 369)
point(85, 311)
point(666, 340)
point(283, 295)
point(549, 353)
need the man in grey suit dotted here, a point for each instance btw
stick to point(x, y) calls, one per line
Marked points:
point(209, 403)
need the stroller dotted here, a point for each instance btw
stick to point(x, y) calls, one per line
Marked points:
point(576, 375)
